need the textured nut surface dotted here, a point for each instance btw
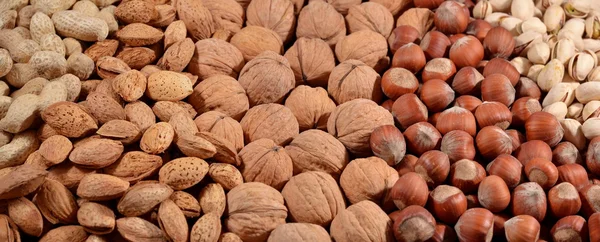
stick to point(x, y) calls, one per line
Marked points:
point(143, 197)
point(362, 220)
point(96, 153)
point(183, 173)
point(271, 121)
point(168, 86)
point(267, 78)
point(264, 154)
point(220, 93)
point(101, 187)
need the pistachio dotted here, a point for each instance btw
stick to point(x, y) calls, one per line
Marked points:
point(587, 92)
point(575, 25)
point(534, 71)
point(567, 34)
point(563, 50)
point(544, 4)
point(551, 75)
point(525, 40)
point(590, 128)
point(495, 17)
point(573, 132)
point(581, 64)
point(482, 9)
point(594, 75)
point(592, 26)
point(591, 44)
point(510, 23)
point(539, 53)
point(522, 64)
point(577, 8)
point(501, 5)
point(554, 18)
point(561, 92)
point(558, 109)
point(575, 111)
point(589, 109)
point(532, 24)
point(522, 9)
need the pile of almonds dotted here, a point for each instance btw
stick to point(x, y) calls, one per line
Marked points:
point(299, 120)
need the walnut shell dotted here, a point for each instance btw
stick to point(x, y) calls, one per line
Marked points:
point(353, 79)
point(299, 232)
point(363, 221)
point(311, 60)
point(353, 122)
point(315, 150)
point(267, 78)
point(253, 40)
point(365, 45)
point(371, 16)
point(276, 15)
point(271, 121)
point(311, 106)
point(227, 14)
point(266, 162)
point(223, 126)
point(342, 6)
point(216, 57)
point(313, 197)
point(369, 179)
point(320, 20)
point(255, 209)
point(395, 6)
point(419, 18)
point(220, 93)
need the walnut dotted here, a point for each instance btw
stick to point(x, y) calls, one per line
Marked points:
point(419, 18)
point(271, 121)
point(369, 179)
point(311, 106)
point(227, 14)
point(266, 162)
point(364, 220)
point(313, 197)
point(371, 16)
point(255, 209)
point(267, 78)
point(320, 20)
point(221, 125)
point(299, 232)
point(315, 150)
point(220, 93)
point(395, 6)
point(276, 15)
point(341, 6)
point(253, 40)
point(298, 4)
point(352, 123)
point(353, 79)
point(216, 57)
point(311, 60)
point(365, 45)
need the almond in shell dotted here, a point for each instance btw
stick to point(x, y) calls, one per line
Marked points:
point(110, 67)
point(183, 173)
point(225, 151)
point(226, 175)
point(212, 199)
point(130, 85)
point(182, 124)
point(178, 56)
point(20, 180)
point(187, 203)
point(168, 86)
point(137, 229)
point(142, 197)
point(197, 18)
point(101, 187)
point(55, 149)
point(121, 130)
point(96, 218)
point(195, 146)
point(56, 203)
point(104, 108)
point(107, 47)
point(136, 11)
point(165, 109)
point(139, 34)
point(134, 166)
point(140, 114)
point(69, 233)
point(68, 174)
point(172, 221)
point(137, 57)
point(69, 119)
point(157, 138)
point(26, 216)
point(207, 228)
point(96, 153)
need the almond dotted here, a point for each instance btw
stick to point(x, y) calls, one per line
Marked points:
point(68, 174)
point(123, 131)
point(183, 173)
point(172, 221)
point(142, 197)
point(26, 216)
point(207, 228)
point(168, 86)
point(107, 47)
point(197, 18)
point(174, 33)
point(226, 175)
point(140, 114)
point(137, 57)
point(56, 203)
point(55, 149)
point(136, 12)
point(101, 187)
point(212, 199)
point(137, 229)
point(69, 233)
point(187, 203)
point(104, 108)
point(138, 34)
point(96, 218)
point(69, 119)
point(166, 15)
point(134, 166)
point(20, 180)
point(195, 146)
point(182, 124)
point(109, 67)
point(157, 138)
point(8, 230)
point(96, 153)
point(130, 85)
point(165, 109)
point(37, 160)
point(178, 56)
point(226, 152)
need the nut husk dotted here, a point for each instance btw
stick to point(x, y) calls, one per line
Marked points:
point(311, 106)
point(366, 46)
point(267, 78)
point(353, 79)
point(311, 60)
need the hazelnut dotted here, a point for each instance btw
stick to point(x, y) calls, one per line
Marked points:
point(467, 81)
point(493, 193)
point(517, 138)
point(320, 20)
point(570, 228)
point(574, 174)
point(499, 220)
point(497, 88)
point(478, 28)
point(529, 198)
point(414, 223)
point(504, 67)
point(434, 118)
point(353, 79)
point(431, 4)
point(409, 56)
point(522, 108)
point(566, 153)
point(573, 133)
point(458, 145)
point(435, 44)
point(311, 60)
point(493, 114)
point(436, 95)
point(450, 18)
point(433, 166)
point(387, 104)
point(493, 141)
point(373, 49)
point(371, 16)
point(594, 225)
point(498, 42)
point(397, 82)
point(387, 143)
point(466, 175)
point(466, 51)
point(456, 118)
point(438, 68)
point(455, 37)
point(467, 102)
point(541, 171)
point(421, 137)
point(402, 35)
point(590, 198)
point(522, 228)
point(407, 164)
point(563, 200)
point(475, 224)
point(415, 194)
point(592, 157)
point(527, 88)
point(472, 201)
point(533, 149)
point(545, 127)
point(408, 109)
point(443, 233)
point(508, 168)
point(253, 40)
point(448, 203)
